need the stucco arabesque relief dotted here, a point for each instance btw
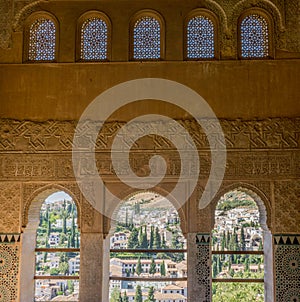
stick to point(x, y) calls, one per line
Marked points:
point(36, 154)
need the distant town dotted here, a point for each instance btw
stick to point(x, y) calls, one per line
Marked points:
point(146, 221)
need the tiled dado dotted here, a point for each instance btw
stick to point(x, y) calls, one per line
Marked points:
point(203, 266)
point(287, 267)
point(9, 266)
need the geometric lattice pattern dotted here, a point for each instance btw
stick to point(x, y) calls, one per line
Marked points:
point(254, 37)
point(42, 40)
point(94, 40)
point(9, 268)
point(203, 266)
point(287, 267)
point(200, 38)
point(146, 38)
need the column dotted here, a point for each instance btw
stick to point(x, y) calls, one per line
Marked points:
point(91, 267)
point(199, 263)
point(28, 265)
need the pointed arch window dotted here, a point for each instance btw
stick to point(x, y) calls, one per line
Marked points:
point(200, 37)
point(94, 35)
point(254, 36)
point(147, 43)
point(42, 40)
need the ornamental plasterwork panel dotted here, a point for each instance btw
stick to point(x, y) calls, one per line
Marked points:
point(287, 206)
point(10, 200)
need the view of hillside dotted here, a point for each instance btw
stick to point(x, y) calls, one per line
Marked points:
point(148, 221)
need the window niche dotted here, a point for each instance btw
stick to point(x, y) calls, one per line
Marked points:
point(41, 34)
point(201, 35)
point(93, 37)
point(255, 35)
point(147, 36)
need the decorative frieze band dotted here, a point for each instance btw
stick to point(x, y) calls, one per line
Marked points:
point(202, 239)
point(286, 239)
point(53, 166)
point(10, 238)
point(28, 136)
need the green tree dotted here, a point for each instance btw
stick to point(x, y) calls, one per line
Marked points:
point(139, 268)
point(243, 243)
point(73, 232)
point(125, 297)
point(120, 297)
point(133, 240)
point(152, 269)
point(151, 295)
point(163, 268)
point(151, 240)
point(115, 295)
point(157, 239)
point(260, 247)
point(214, 270)
point(138, 294)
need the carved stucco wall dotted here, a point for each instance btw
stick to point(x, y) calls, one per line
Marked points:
point(274, 145)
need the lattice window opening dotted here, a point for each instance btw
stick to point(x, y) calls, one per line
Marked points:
point(146, 35)
point(254, 37)
point(94, 40)
point(200, 38)
point(42, 40)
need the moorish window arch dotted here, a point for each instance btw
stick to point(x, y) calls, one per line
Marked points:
point(41, 38)
point(255, 35)
point(147, 35)
point(93, 37)
point(201, 35)
point(242, 255)
point(147, 247)
point(32, 275)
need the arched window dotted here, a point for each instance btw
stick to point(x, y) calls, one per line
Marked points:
point(147, 43)
point(254, 36)
point(200, 37)
point(238, 239)
point(57, 250)
point(94, 37)
point(41, 38)
point(148, 250)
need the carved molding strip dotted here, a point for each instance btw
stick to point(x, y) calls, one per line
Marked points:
point(32, 137)
point(240, 165)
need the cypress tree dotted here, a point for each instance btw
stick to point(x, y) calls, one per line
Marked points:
point(133, 240)
point(243, 243)
point(138, 294)
point(125, 297)
point(151, 240)
point(139, 268)
point(157, 239)
point(151, 295)
point(163, 268)
point(152, 269)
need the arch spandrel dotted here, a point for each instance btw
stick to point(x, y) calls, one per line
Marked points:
point(35, 194)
